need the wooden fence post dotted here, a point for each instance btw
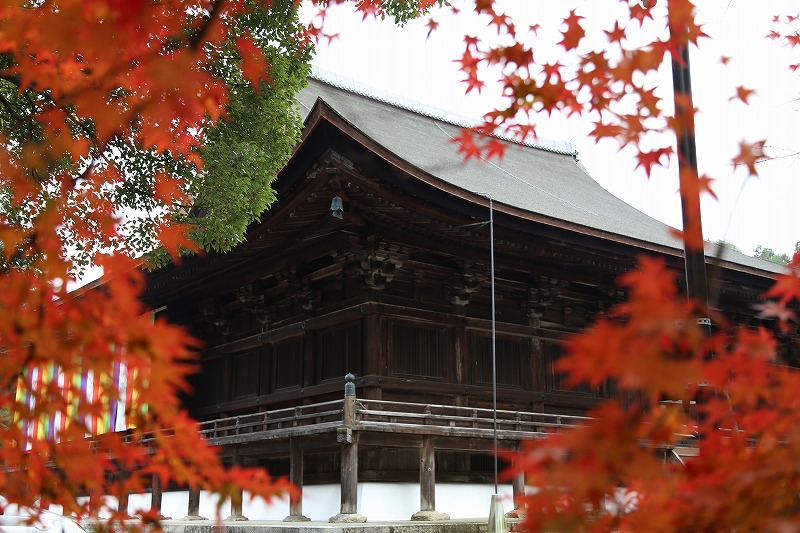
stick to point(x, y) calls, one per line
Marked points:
point(349, 463)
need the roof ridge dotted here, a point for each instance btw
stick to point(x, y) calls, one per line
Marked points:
point(352, 86)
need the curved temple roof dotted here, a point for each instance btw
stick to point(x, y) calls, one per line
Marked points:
point(545, 181)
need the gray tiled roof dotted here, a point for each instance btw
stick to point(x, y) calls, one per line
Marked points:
point(545, 180)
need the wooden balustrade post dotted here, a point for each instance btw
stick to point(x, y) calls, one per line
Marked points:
point(349, 408)
point(236, 496)
point(349, 464)
point(427, 483)
point(296, 479)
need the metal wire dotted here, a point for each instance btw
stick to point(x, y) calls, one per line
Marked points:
point(494, 332)
point(494, 342)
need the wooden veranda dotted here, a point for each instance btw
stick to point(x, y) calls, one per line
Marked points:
point(352, 422)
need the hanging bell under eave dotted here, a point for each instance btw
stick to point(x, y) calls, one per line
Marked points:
point(337, 207)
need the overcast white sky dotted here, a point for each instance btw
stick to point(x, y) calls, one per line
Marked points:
point(403, 62)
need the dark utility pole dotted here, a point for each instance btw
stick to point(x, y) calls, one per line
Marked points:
point(696, 283)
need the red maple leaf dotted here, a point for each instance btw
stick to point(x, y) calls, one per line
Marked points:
point(641, 11)
point(254, 64)
point(742, 93)
point(469, 62)
point(775, 310)
point(602, 130)
point(432, 25)
point(616, 34)
point(786, 288)
point(176, 240)
point(501, 21)
point(647, 160)
point(473, 83)
point(749, 155)
point(494, 148)
point(484, 6)
point(466, 145)
point(574, 32)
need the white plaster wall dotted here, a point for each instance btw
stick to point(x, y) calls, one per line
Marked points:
point(470, 500)
point(376, 501)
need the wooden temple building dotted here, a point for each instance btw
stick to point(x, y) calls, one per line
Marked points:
point(376, 261)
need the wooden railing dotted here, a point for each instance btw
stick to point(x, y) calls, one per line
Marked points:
point(382, 415)
point(428, 425)
point(275, 423)
point(386, 416)
point(415, 416)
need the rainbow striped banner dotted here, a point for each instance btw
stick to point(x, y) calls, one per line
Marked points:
point(55, 399)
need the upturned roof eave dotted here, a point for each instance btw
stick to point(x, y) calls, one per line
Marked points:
point(322, 111)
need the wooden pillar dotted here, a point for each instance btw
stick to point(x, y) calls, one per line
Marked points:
point(194, 502)
point(348, 511)
point(374, 364)
point(156, 494)
point(296, 479)
point(122, 496)
point(193, 511)
point(518, 488)
point(349, 479)
point(122, 503)
point(427, 482)
point(309, 352)
point(236, 496)
point(464, 373)
point(427, 475)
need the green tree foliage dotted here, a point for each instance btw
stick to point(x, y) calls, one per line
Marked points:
point(402, 10)
point(241, 154)
point(768, 254)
